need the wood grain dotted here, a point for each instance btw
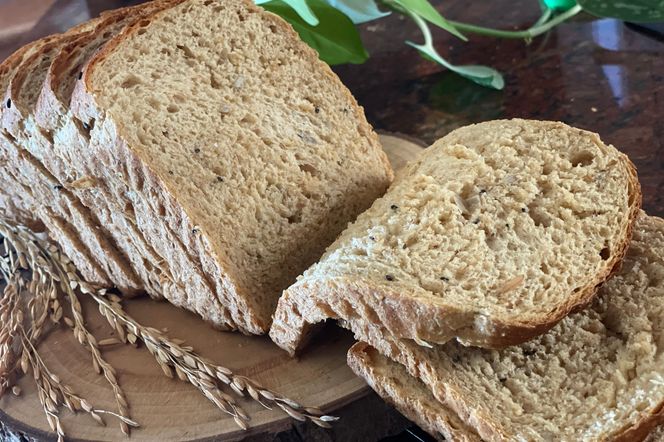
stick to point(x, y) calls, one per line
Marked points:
point(170, 410)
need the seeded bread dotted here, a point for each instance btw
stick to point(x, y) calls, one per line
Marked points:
point(597, 375)
point(254, 156)
point(496, 233)
point(407, 394)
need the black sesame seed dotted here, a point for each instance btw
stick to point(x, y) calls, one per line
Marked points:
point(372, 238)
point(80, 74)
point(523, 209)
point(171, 172)
point(507, 225)
point(476, 221)
point(197, 150)
point(86, 126)
point(220, 179)
point(57, 187)
point(389, 277)
point(195, 230)
point(317, 110)
point(444, 278)
point(502, 380)
point(394, 207)
point(482, 191)
point(9, 103)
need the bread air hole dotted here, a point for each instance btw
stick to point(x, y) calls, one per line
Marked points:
point(583, 159)
point(47, 134)
point(539, 216)
point(605, 253)
point(308, 168)
point(130, 81)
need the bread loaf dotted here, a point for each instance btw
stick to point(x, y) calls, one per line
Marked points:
point(234, 154)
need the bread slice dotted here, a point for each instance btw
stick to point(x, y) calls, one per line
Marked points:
point(597, 375)
point(407, 394)
point(227, 135)
point(497, 232)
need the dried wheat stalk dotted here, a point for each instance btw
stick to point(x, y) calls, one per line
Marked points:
point(180, 360)
point(33, 282)
point(53, 274)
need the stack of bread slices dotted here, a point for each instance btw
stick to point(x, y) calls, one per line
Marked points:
point(506, 287)
point(195, 150)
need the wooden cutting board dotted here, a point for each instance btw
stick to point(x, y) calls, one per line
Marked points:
point(171, 410)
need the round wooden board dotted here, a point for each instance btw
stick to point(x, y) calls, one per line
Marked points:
point(171, 410)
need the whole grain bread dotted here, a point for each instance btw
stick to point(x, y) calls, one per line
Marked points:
point(597, 375)
point(233, 146)
point(407, 394)
point(497, 232)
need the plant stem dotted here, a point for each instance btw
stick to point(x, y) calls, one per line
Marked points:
point(546, 15)
point(540, 27)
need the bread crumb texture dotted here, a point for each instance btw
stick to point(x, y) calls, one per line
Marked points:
point(253, 156)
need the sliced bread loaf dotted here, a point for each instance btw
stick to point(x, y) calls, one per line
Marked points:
point(496, 233)
point(407, 394)
point(226, 135)
point(597, 375)
point(67, 156)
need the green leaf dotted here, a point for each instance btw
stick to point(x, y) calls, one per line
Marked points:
point(301, 7)
point(639, 11)
point(424, 9)
point(482, 75)
point(359, 11)
point(335, 38)
point(559, 5)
